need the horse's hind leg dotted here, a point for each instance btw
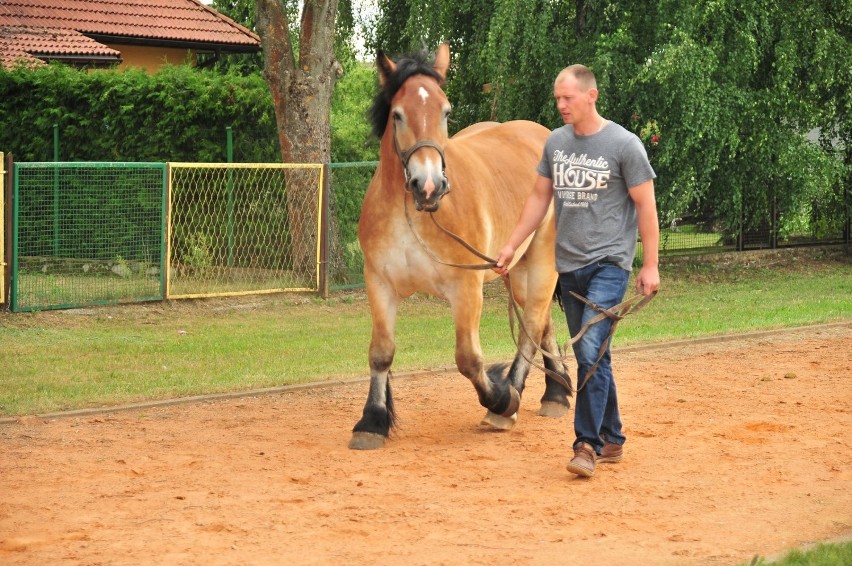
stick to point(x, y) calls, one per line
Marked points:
point(554, 402)
point(378, 417)
point(532, 289)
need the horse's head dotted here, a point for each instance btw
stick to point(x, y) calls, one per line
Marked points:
point(412, 109)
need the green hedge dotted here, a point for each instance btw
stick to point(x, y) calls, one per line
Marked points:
point(177, 114)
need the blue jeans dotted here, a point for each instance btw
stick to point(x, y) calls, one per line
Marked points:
point(596, 408)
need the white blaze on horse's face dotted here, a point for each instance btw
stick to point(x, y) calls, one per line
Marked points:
point(420, 110)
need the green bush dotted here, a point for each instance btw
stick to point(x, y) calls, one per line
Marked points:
point(176, 114)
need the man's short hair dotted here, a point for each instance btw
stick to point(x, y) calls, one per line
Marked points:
point(584, 76)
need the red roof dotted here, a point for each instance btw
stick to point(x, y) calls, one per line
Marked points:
point(25, 45)
point(30, 28)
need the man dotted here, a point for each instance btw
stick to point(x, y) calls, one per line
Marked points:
point(599, 178)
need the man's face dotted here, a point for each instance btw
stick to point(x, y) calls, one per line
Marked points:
point(573, 104)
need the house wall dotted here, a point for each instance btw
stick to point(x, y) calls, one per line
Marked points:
point(152, 58)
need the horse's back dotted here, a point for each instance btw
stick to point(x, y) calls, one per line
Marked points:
point(495, 132)
point(474, 128)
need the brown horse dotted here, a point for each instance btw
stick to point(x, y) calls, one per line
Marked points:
point(491, 168)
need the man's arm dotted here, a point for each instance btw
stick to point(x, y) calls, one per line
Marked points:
point(535, 208)
point(642, 194)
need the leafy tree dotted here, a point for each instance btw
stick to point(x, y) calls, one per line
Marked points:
point(723, 93)
point(302, 63)
point(242, 12)
point(733, 90)
point(301, 77)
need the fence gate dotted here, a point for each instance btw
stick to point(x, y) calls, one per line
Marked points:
point(87, 234)
point(243, 228)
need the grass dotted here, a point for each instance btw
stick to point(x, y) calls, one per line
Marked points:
point(60, 360)
point(821, 555)
point(38, 291)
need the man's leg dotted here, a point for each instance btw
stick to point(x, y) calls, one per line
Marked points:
point(596, 407)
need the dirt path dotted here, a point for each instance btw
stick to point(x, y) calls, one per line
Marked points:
point(735, 449)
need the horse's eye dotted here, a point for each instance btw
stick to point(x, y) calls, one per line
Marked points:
point(397, 116)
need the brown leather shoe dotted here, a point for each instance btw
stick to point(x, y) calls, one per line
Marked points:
point(583, 462)
point(611, 453)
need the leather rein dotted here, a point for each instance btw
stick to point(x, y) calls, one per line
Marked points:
point(616, 313)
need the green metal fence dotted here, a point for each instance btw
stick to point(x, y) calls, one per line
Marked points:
point(98, 233)
point(349, 182)
point(87, 233)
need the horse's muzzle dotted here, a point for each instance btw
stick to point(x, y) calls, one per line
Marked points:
point(427, 196)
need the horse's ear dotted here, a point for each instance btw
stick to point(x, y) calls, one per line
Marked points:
point(442, 60)
point(386, 67)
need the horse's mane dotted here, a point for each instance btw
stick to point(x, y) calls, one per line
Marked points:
point(418, 63)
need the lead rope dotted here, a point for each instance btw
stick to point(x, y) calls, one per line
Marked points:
point(616, 313)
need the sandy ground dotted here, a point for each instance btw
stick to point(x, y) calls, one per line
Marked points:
point(735, 448)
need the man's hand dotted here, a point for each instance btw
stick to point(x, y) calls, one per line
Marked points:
point(648, 280)
point(504, 260)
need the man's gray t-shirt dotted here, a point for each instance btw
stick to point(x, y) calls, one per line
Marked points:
point(595, 216)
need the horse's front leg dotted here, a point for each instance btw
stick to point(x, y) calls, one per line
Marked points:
point(495, 391)
point(378, 417)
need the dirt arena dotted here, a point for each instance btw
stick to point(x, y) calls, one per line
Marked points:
point(735, 448)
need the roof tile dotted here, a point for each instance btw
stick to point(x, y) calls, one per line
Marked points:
point(24, 45)
point(23, 25)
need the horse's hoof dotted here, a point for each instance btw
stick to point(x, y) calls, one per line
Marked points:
point(514, 403)
point(366, 441)
point(552, 409)
point(499, 421)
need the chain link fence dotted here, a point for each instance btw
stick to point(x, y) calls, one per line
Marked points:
point(693, 236)
point(97, 233)
point(243, 228)
point(349, 183)
point(87, 233)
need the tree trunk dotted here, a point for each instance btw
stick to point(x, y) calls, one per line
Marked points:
point(302, 82)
